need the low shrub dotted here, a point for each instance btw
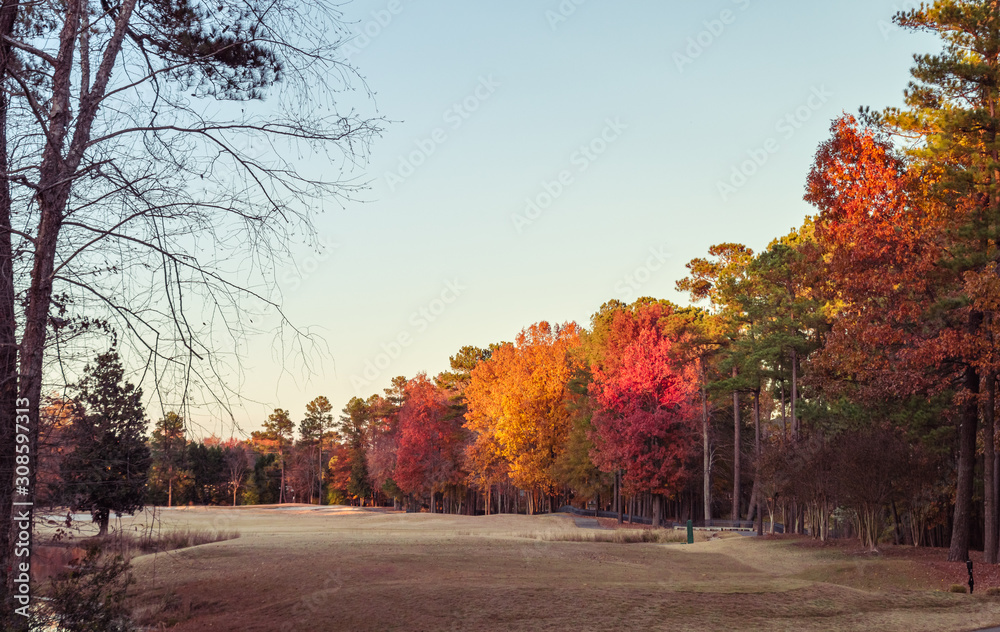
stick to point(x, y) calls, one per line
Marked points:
point(91, 596)
point(150, 541)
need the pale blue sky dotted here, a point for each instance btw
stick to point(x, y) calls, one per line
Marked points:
point(538, 88)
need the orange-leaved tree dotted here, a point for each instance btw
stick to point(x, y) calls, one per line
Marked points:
point(517, 405)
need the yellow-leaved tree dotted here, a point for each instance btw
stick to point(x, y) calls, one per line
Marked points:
point(517, 405)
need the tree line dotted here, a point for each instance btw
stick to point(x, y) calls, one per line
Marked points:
point(95, 454)
point(853, 360)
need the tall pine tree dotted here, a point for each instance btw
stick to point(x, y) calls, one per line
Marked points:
point(954, 114)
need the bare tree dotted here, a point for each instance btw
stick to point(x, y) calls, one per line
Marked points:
point(872, 466)
point(148, 185)
point(239, 461)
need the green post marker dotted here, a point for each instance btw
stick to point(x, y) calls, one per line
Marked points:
point(690, 532)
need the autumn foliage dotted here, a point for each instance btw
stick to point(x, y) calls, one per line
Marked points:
point(429, 455)
point(867, 332)
point(517, 402)
point(645, 423)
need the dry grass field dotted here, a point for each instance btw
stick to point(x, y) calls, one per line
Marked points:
point(342, 569)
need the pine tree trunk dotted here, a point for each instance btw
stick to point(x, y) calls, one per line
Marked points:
point(281, 492)
point(784, 420)
point(736, 453)
point(991, 470)
point(706, 453)
point(996, 489)
point(897, 527)
point(795, 394)
point(958, 551)
point(989, 474)
point(756, 478)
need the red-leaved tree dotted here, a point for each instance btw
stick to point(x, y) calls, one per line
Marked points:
point(645, 423)
point(430, 441)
